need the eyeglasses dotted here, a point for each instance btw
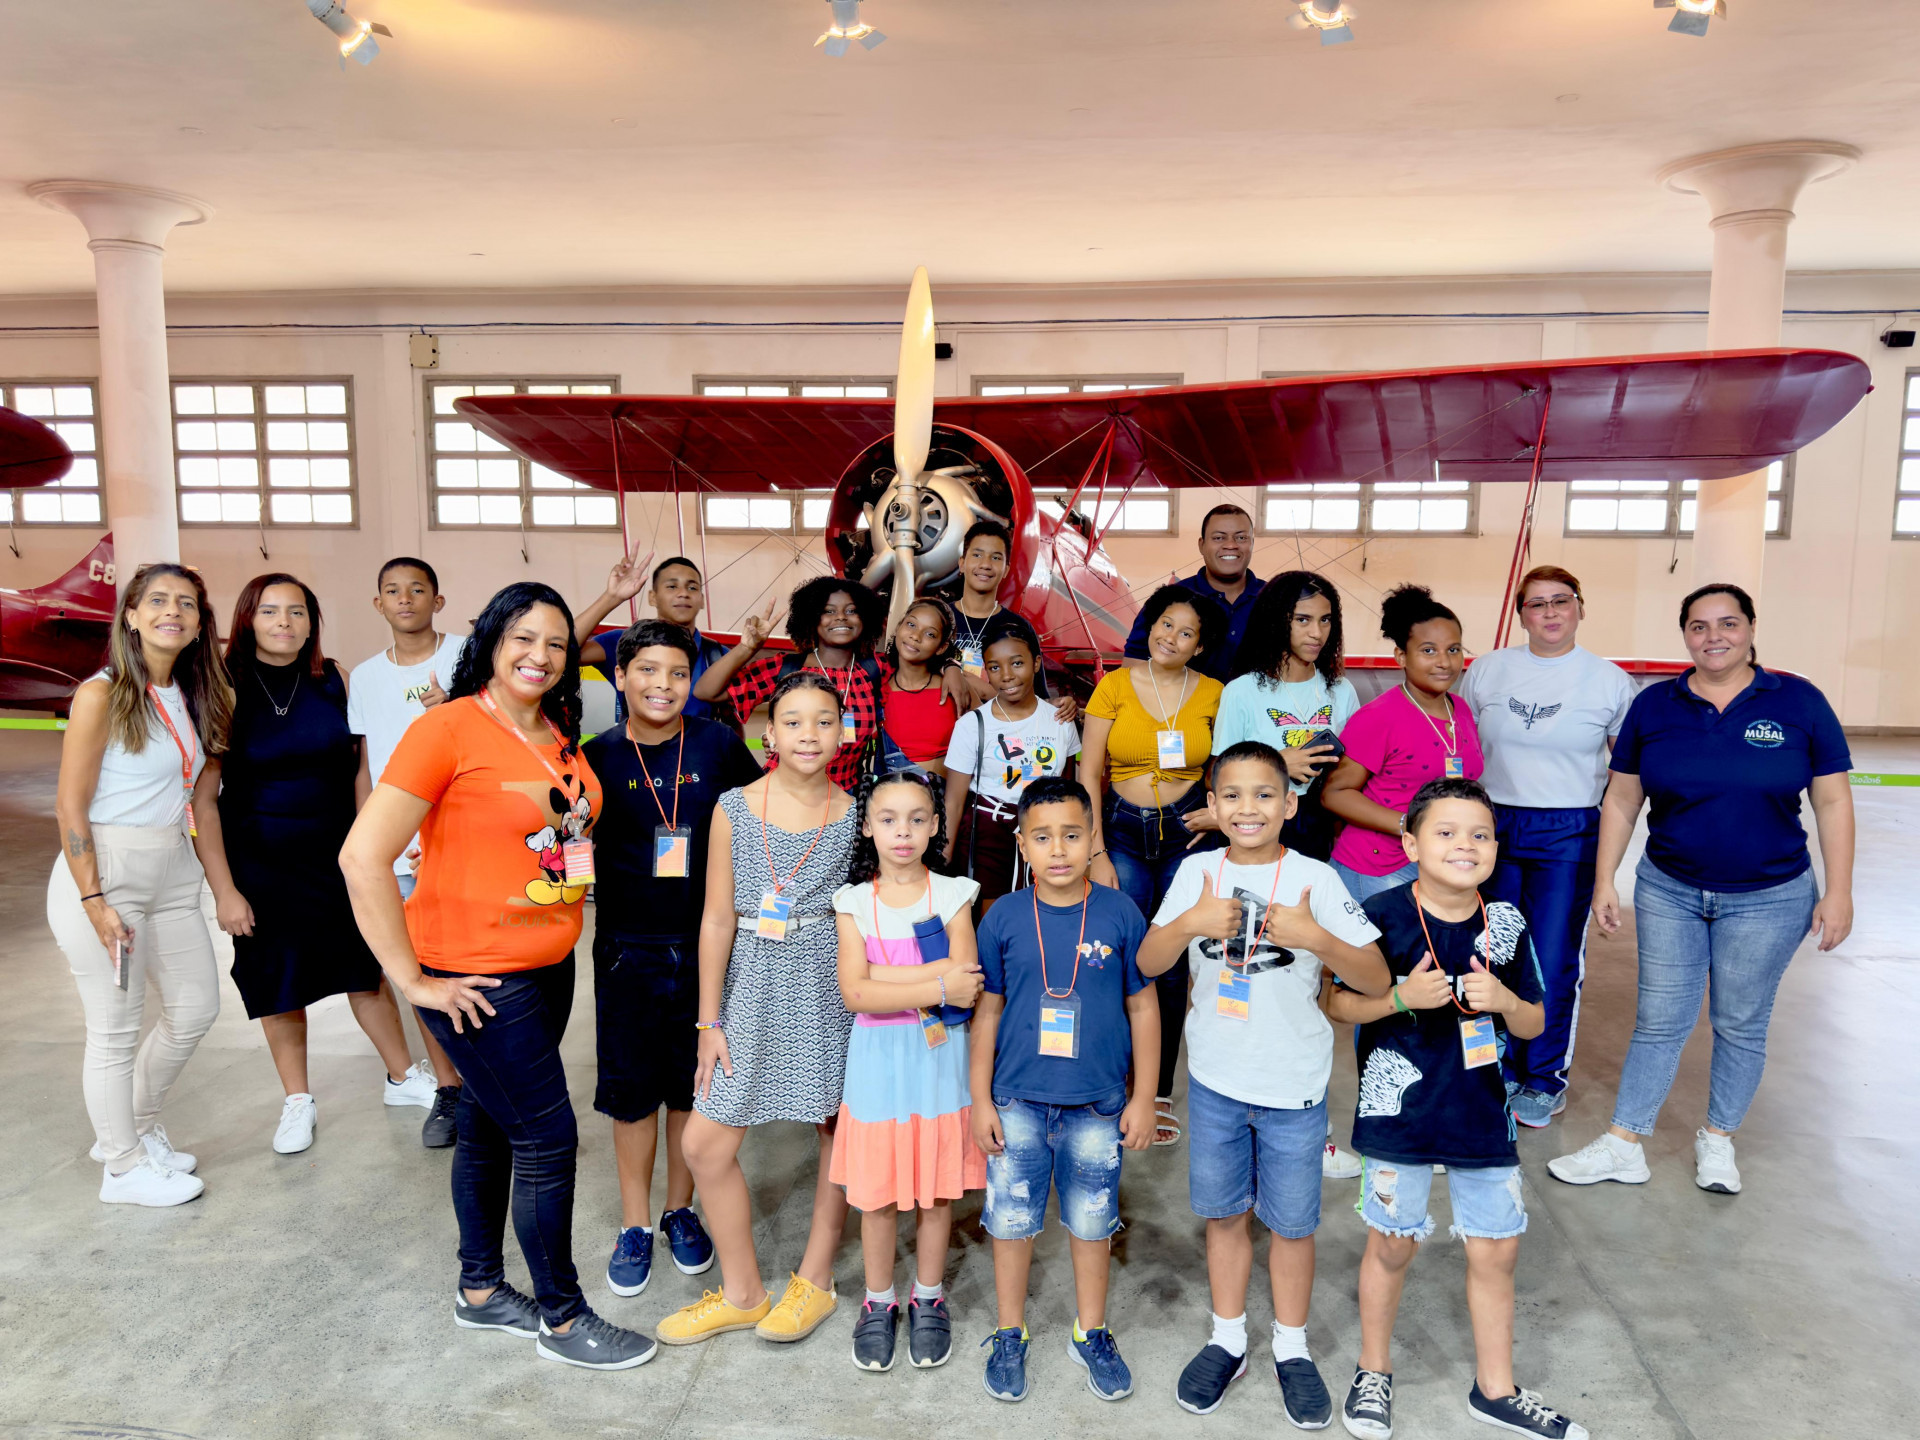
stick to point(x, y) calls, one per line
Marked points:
point(1544, 603)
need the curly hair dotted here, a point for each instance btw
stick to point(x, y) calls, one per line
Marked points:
point(561, 703)
point(1213, 620)
point(1407, 606)
point(809, 603)
point(945, 653)
point(866, 855)
point(1269, 637)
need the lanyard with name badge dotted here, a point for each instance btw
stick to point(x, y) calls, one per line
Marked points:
point(849, 723)
point(1478, 1044)
point(672, 842)
point(933, 1028)
point(576, 851)
point(1170, 745)
point(973, 657)
point(1060, 1020)
point(1455, 764)
point(187, 752)
point(1235, 998)
point(774, 905)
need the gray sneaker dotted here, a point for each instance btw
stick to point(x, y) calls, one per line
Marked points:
point(1535, 1109)
point(594, 1344)
point(506, 1309)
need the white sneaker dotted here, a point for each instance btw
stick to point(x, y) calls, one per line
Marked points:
point(149, 1183)
point(417, 1089)
point(1338, 1164)
point(155, 1143)
point(1608, 1158)
point(1713, 1163)
point(296, 1125)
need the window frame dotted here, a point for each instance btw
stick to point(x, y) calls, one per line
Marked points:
point(259, 384)
point(1909, 411)
point(797, 498)
point(527, 525)
point(1676, 496)
point(99, 453)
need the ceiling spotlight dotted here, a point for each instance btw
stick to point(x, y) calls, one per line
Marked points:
point(847, 25)
point(356, 36)
point(1690, 17)
point(1332, 18)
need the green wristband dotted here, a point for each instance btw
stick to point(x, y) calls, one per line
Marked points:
point(1398, 1003)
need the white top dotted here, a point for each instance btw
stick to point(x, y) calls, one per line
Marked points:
point(946, 897)
point(145, 788)
point(1282, 713)
point(383, 699)
point(1544, 724)
point(1281, 1055)
point(1017, 750)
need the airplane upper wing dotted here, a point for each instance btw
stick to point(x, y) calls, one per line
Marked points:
point(31, 454)
point(1701, 416)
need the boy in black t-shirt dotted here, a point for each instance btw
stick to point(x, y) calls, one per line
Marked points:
point(1431, 1093)
point(661, 773)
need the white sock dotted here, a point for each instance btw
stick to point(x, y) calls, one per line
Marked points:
point(1290, 1342)
point(1622, 1148)
point(883, 1298)
point(924, 1293)
point(1230, 1335)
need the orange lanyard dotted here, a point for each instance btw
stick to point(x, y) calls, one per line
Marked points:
point(1421, 911)
point(1450, 742)
point(521, 735)
point(674, 823)
point(1220, 880)
point(876, 902)
point(1079, 945)
point(767, 845)
point(187, 752)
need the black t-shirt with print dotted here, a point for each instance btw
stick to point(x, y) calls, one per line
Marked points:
point(1419, 1104)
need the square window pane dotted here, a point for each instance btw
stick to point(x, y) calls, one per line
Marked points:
point(333, 509)
point(1003, 390)
point(286, 399)
point(499, 509)
point(553, 510)
point(1443, 515)
point(193, 399)
point(546, 390)
point(326, 399)
point(484, 441)
point(457, 509)
point(286, 435)
point(1773, 517)
point(40, 507)
point(195, 435)
point(456, 474)
point(867, 392)
point(1912, 437)
point(1910, 474)
point(1396, 514)
point(813, 513)
point(768, 390)
point(727, 513)
point(1596, 487)
point(1388, 487)
point(770, 514)
point(1643, 515)
point(240, 509)
point(454, 435)
point(445, 395)
point(493, 390)
point(198, 470)
point(292, 509)
point(236, 434)
point(595, 510)
point(200, 507)
point(85, 474)
point(1336, 514)
point(592, 389)
point(1906, 518)
point(33, 400)
point(1148, 515)
point(287, 475)
point(80, 509)
point(499, 474)
point(77, 433)
point(239, 472)
point(1644, 487)
point(327, 435)
point(1687, 508)
point(331, 474)
point(1689, 487)
point(1102, 387)
point(824, 392)
point(735, 390)
point(542, 478)
point(6, 505)
point(233, 399)
point(1294, 514)
point(1592, 514)
point(73, 400)
point(1913, 392)
point(1776, 476)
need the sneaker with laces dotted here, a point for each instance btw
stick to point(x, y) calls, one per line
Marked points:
point(156, 1144)
point(1608, 1158)
point(687, 1239)
point(929, 1333)
point(1006, 1376)
point(1368, 1412)
point(1524, 1413)
point(416, 1087)
point(800, 1312)
point(295, 1131)
point(1713, 1163)
point(442, 1127)
point(1107, 1374)
point(712, 1314)
point(1338, 1164)
point(632, 1263)
point(873, 1336)
point(595, 1344)
point(506, 1310)
point(1203, 1384)
point(1303, 1394)
point(1535, 1109)
point(149, 1183)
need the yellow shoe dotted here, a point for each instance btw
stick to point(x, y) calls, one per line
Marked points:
point(712, 1314)
point(799, 1312)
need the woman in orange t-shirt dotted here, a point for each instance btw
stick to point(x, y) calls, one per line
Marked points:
point(504, 803)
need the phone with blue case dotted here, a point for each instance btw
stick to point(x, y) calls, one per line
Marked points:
point(932, 935)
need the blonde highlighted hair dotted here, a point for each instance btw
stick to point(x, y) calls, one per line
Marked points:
point(199, 671)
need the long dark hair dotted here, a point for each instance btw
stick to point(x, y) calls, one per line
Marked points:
point(866, 855)
point(943, 655)
point(199, 671)
point(809, 603)
point(1740, 598)
point(241, 657)
point(561, 703)
point(1269, 637)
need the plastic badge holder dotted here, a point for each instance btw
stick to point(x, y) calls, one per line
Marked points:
point(932, 935)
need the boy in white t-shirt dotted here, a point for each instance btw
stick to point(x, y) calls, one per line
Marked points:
point(386, 694)
point(1257, 921)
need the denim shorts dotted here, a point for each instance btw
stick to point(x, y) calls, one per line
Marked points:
point(1487, 1204)
point(1246, 1157)
point(1072, 1148)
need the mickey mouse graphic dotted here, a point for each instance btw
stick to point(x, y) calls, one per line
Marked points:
point(549, 846)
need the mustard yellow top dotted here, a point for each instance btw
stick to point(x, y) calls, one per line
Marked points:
point(1133, 746)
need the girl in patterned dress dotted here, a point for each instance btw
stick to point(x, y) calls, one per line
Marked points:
point(773, 1030)
point(903, 1141)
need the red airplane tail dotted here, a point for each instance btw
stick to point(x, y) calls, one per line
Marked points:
point(87, 585)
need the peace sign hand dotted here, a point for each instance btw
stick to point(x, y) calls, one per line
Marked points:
point(1216, 917)
point(629, 576)
point(755, 628)
point(1427, 988)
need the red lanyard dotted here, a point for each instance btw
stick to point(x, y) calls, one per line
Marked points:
point(187, 752)
point(876, 902)
point(1079, 944)
point(1220, 880)
point(1421, 911)
point(558, 739)
point(674, 823)
point(767, 845)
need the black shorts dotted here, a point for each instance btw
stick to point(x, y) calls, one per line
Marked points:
point(646, 997)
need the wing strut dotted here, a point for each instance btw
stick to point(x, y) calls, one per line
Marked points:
point(1523, 542)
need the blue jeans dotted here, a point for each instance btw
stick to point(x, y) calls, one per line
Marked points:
point(1243, 1157)
point(1364, 887)
point(1546, 871)
point(1072, 1148)
point(1487, 1204)
point(517, 1136)
point(1732, 948)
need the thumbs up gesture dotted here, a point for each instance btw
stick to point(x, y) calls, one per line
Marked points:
point(1294, 925)
point(1427, 987)
point(1484, 990)
point(1217, 917)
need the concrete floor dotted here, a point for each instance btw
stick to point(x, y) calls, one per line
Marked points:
point(308, 1295)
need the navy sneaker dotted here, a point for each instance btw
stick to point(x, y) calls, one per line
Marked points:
point(1203, 1384)
point(1524, 1413)
point(687, 1238)
point(594, 1344)
point(1303, 1394)
point(874, 1334)
point(1368, 1413)
point(1007, 1365)
point(1107, 1374)
point(632, 1263)
point(506, 1309)
point(929, 1333)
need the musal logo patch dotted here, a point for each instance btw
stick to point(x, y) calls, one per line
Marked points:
point(1767, 734)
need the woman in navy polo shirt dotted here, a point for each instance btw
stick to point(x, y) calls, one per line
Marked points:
point(1725, 892)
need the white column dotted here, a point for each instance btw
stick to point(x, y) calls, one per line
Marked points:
point(1751, 190)
point(127, 227)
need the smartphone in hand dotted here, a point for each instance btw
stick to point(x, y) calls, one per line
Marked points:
point(122, 960)
point(1324, 737)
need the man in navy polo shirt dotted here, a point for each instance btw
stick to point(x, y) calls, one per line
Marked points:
point(1226, 547)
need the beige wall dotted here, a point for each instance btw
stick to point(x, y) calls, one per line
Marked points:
point(1841, 598)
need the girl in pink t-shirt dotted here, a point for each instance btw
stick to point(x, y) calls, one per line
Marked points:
point(1399, 741)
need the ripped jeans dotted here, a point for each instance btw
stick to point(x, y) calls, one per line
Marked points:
point(1072, 1148)
point(1487, 1204)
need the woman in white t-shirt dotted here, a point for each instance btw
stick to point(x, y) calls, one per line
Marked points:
point(124, 901)
point(1547, 712)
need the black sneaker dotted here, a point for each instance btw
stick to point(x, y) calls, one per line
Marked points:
point(595, 1344)
point(506, 1309)
point(1303, 1394)
point(439, 1129)
point(929, 1333)
point(1203, 1384)
point(873, 1336)
point(1368, 1412)
point(1524, 1413)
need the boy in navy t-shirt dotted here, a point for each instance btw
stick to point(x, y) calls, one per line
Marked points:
point(1064, 1016)
point(1432, 1093)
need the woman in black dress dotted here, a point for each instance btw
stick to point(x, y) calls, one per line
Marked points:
point(287, 799)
